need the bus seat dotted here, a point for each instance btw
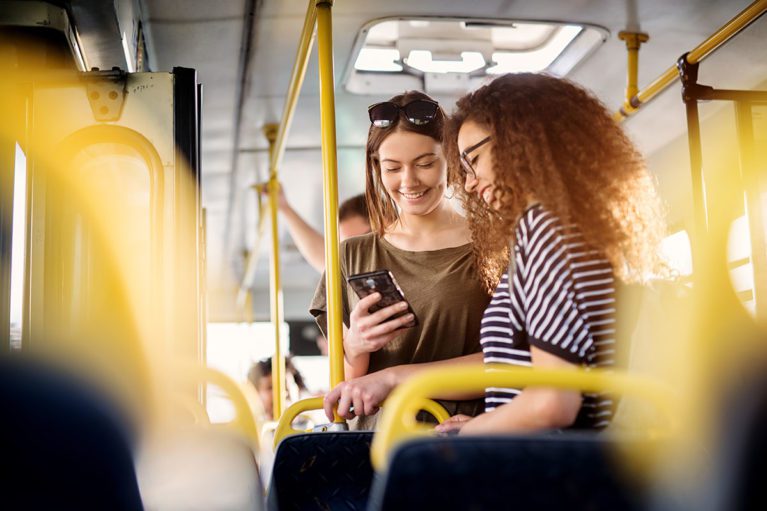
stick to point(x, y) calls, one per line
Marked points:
point(733, 477)
point(644, 346)
point(63, 446)
point(322, 471)
point(571, 470)
point(199, 469)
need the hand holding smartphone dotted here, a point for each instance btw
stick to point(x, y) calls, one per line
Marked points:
point(381, 281)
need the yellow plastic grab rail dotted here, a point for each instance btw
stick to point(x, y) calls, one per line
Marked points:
point(275, 287)
point(285, 424)
point(700, 52)
point(243, 421)
point(300, 64)
point(398, 422)
point(285, 428)
point(277, 137)
point(330, 190)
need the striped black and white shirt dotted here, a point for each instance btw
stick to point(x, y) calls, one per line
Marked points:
point(562, 302)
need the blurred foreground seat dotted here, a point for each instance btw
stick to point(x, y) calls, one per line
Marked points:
point(62, 446)
point(573, 471)
point(199, 469)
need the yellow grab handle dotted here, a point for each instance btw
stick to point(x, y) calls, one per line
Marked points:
point(285, 424)
point(398, 422)
point(435, 409)
point(285, 428)
point(243, 421)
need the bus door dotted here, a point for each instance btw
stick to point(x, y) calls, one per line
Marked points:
point(114, 214)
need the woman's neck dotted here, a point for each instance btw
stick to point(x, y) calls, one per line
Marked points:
point(441, 228)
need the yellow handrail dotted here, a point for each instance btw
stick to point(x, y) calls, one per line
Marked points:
point(435, 409)
point(277, 141)
point(275, 286)
point(700, 52)
point(318, 14)
point(303, 53)
point(285, 424)
point(245, 291)
point(330, 190)
point(398, 422)
point(633, 41)
point(243, 421)
point(285, 428)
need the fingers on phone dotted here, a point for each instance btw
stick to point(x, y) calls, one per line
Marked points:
point(391, 326)
point(361, 309)
point(387, 312)
point(370, 300)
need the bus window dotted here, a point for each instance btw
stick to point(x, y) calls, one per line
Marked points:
point(121, 177)
point(675, 250)
point(19, 246)
point(739, 259)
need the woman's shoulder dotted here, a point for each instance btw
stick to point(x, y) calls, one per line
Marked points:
point(537, 218)
point(537, 224)
point(358, 243)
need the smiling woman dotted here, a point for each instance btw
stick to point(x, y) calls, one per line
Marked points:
point(424, 243)
point(558, 195)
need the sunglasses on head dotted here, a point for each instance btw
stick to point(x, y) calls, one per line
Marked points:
point(418, 112)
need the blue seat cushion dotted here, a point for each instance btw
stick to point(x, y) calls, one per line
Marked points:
point(322, 471)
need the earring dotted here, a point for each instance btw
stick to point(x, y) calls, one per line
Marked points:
point(450, 192)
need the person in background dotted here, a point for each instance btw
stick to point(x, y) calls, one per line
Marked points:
point(260, 376)
point(352, 221)
point(560, 206)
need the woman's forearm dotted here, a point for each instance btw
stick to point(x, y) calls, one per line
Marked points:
point(356, 366)
point(403, 372)
point(534, 409)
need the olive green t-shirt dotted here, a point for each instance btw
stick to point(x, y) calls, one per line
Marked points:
point(441, 286)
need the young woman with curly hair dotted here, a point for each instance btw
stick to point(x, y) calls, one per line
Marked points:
point(425, 243)
point(549, 176)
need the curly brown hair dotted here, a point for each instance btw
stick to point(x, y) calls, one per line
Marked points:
point(381, 207)
point(558, 144)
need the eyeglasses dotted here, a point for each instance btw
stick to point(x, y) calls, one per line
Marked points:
point(468, 168)
point(418, 111)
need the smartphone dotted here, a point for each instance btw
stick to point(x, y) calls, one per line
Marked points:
point(381, 281)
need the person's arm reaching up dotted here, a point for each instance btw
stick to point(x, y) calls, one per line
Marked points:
point(310, 243)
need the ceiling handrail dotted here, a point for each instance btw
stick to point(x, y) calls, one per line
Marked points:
point(700, 52)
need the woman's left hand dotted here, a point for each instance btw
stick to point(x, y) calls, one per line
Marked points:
point(454, 423)
point(365, 394)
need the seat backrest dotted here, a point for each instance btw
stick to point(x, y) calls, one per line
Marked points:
point(199, 469)
point(63, 446)
point(645, 344)
point(322, 471)
point(734, 477)
point(573, 471)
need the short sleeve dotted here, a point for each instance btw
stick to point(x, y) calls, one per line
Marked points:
point(319, 307)
point(553, 320)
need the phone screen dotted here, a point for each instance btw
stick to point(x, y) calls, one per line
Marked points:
point(381, 281)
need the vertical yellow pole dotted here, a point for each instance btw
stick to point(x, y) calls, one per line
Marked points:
point(278, 360)
point(330, 190)
point(633, 41)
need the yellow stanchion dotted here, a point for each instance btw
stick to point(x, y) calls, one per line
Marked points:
point(330, 191)
point(278, 360)
point(633, 41)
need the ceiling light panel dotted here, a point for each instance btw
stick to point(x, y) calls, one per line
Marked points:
point(390, 51)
